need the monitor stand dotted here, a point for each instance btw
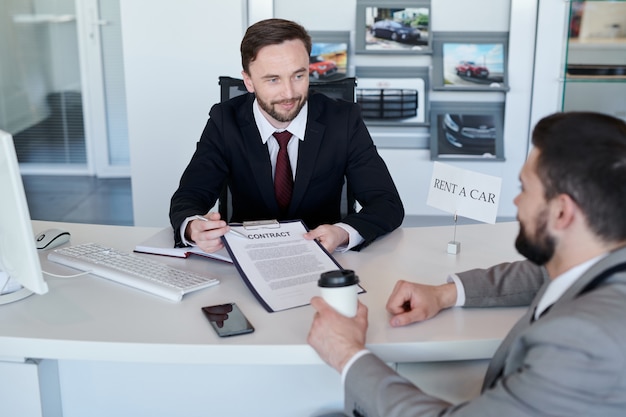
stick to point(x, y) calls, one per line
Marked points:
point(13, 296)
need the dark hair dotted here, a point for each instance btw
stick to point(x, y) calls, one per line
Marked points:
point(270, 32)
point(583, 155)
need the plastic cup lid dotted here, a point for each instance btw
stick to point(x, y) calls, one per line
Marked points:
point(338, 278)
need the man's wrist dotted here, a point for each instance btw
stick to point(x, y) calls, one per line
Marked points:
point(447, 295)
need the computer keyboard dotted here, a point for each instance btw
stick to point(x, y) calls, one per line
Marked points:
point(135, 271)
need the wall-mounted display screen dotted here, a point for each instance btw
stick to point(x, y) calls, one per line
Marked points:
point(401, 27)
point(398, 100)
point(467, 130)
point(329, 55)
point(474, 61)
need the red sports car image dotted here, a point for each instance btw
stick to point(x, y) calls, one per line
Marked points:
point(320, 67)
point(470, 69)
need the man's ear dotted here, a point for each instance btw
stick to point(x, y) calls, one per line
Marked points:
point(247, 82)
point(564, 211)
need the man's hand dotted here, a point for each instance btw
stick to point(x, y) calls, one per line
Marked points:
point(207, 234)
point(336, 338)
point(329, 236)
point(410, 302)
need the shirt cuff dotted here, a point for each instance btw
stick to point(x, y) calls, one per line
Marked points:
point(183, 227)
point(348, 364)
point(354, 238)
point(460, 290)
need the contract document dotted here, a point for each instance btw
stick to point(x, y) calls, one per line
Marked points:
point(279, 266)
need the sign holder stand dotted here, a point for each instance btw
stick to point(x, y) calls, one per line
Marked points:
point(454, 247)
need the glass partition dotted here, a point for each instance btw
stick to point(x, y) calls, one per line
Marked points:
point(40, 82)
point(595, 71)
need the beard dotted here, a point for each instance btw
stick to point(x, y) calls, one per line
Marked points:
point(539, 249)
point(270, 108)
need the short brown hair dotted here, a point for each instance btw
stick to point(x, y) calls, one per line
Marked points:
point(583, 155)
point(270, 32)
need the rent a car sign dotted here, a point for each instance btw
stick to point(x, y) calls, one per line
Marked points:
point(464, 193)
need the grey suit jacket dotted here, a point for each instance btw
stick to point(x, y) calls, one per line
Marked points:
point(569, 362)
point(503, 285)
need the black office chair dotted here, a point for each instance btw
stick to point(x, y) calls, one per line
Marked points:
point(343, 89)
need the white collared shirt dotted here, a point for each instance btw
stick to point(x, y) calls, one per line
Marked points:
point(558, 286)
point(297, 127)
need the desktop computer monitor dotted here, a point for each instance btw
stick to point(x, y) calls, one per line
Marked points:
point(18, 255)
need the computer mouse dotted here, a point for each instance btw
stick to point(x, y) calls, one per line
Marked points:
point(51, 238)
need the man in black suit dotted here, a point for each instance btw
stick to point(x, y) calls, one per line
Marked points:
point(328, 141)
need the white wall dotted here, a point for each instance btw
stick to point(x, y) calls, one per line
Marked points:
point(175, 51)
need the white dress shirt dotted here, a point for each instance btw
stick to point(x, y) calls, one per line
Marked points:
point(297, 128)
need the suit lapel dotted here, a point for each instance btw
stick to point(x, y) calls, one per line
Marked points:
point(496, 365)
point(256, 154)
point(614, 259)
point(308, 150)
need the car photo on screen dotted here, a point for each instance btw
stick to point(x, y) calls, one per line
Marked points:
point(470, 69)
point(467, 134)
point(319, 67)
point(467, 64)
point(395, 31)
point(398, 29)
point(328, 61)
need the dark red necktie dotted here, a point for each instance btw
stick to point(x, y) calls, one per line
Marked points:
point(283, 177)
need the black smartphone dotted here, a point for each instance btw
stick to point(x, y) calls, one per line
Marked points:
point(227, 319)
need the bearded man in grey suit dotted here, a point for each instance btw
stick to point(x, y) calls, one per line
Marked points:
point(567, 355)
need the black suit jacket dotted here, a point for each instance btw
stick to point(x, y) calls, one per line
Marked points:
point(337, 145)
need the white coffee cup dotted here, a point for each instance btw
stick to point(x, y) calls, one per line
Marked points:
point(339, 289)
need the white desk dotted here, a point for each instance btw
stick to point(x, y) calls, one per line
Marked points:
point(124, 352)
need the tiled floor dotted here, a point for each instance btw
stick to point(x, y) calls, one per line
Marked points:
point(79, 199)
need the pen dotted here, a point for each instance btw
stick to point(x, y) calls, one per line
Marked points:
point(238, 233)
point(204, 219)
